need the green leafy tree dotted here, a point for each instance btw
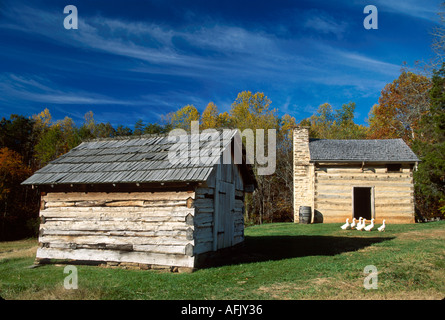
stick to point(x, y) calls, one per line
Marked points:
point(50, 145)
point(430, 146)
point(122, 131)
point(139, 127)
point(156, 128)
point(104, 130)
point(345, 127)
point(54, 138)
point(328, 123)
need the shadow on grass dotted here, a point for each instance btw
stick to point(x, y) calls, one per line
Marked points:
point(267, 248)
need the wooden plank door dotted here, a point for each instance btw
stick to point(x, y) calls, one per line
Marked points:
point(225, 217)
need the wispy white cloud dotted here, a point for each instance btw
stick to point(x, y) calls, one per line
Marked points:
point(38, 89)
point(325, 24)
point(419, 9)
point(236, 50)
point(363, 62)
point(222, 55)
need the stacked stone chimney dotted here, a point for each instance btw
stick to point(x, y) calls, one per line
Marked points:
point(303, 171)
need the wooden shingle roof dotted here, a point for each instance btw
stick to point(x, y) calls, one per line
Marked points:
point(390, 150)
point(143, 159)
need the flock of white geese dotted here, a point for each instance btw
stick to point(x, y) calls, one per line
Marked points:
point(361, 225)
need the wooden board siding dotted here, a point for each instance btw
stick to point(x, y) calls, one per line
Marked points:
point(393, 193)
point(140, 227)
point(220, 203)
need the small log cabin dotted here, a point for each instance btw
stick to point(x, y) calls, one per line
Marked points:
point(127, 201)
point(342, 179)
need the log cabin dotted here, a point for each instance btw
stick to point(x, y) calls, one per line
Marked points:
point(340, 179)
point(128, 201)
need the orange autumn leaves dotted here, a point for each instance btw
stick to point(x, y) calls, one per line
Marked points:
point(12, 171)
point(402, 104)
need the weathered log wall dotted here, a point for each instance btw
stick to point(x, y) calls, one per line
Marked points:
point(142, 227)
point(152, 228)
point(393, 192)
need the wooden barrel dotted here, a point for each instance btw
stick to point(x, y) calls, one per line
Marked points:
point(305, 215)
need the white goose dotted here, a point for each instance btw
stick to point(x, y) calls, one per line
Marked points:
point(361, 226)
point(346, 226)
point(370, 226)
point(359, 223)
point(382, 227)
point(353, 224)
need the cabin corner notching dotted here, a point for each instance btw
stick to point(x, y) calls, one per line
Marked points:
point(342, 179)
point(123, 201)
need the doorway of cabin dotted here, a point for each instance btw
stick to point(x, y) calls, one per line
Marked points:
point(362, 202)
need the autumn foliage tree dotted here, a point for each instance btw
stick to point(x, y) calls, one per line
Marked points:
point(12, 170)
point(253, 111)
point(209, 118)
point(401, 107)
point(13, 202)
point(18, 205)
point(183, 118)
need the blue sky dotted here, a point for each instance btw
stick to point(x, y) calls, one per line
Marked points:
point(131, 60)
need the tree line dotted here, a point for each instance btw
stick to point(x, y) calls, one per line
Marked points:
point(412, 108)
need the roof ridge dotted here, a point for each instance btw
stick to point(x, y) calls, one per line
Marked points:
point(132, 137)
point(150, 135)
point(318, 139)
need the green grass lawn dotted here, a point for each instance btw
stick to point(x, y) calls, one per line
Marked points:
point(278, 261)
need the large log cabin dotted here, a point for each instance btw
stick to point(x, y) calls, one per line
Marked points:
point(340, 179)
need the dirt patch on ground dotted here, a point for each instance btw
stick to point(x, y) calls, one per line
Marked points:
point(60, 293)
point(438, 234)
point(282, 291)
point(322, 285)
point(402, 295)
point(19, 253)
point(321, 281)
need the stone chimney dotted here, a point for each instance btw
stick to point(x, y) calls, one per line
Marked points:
point(303, 171)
